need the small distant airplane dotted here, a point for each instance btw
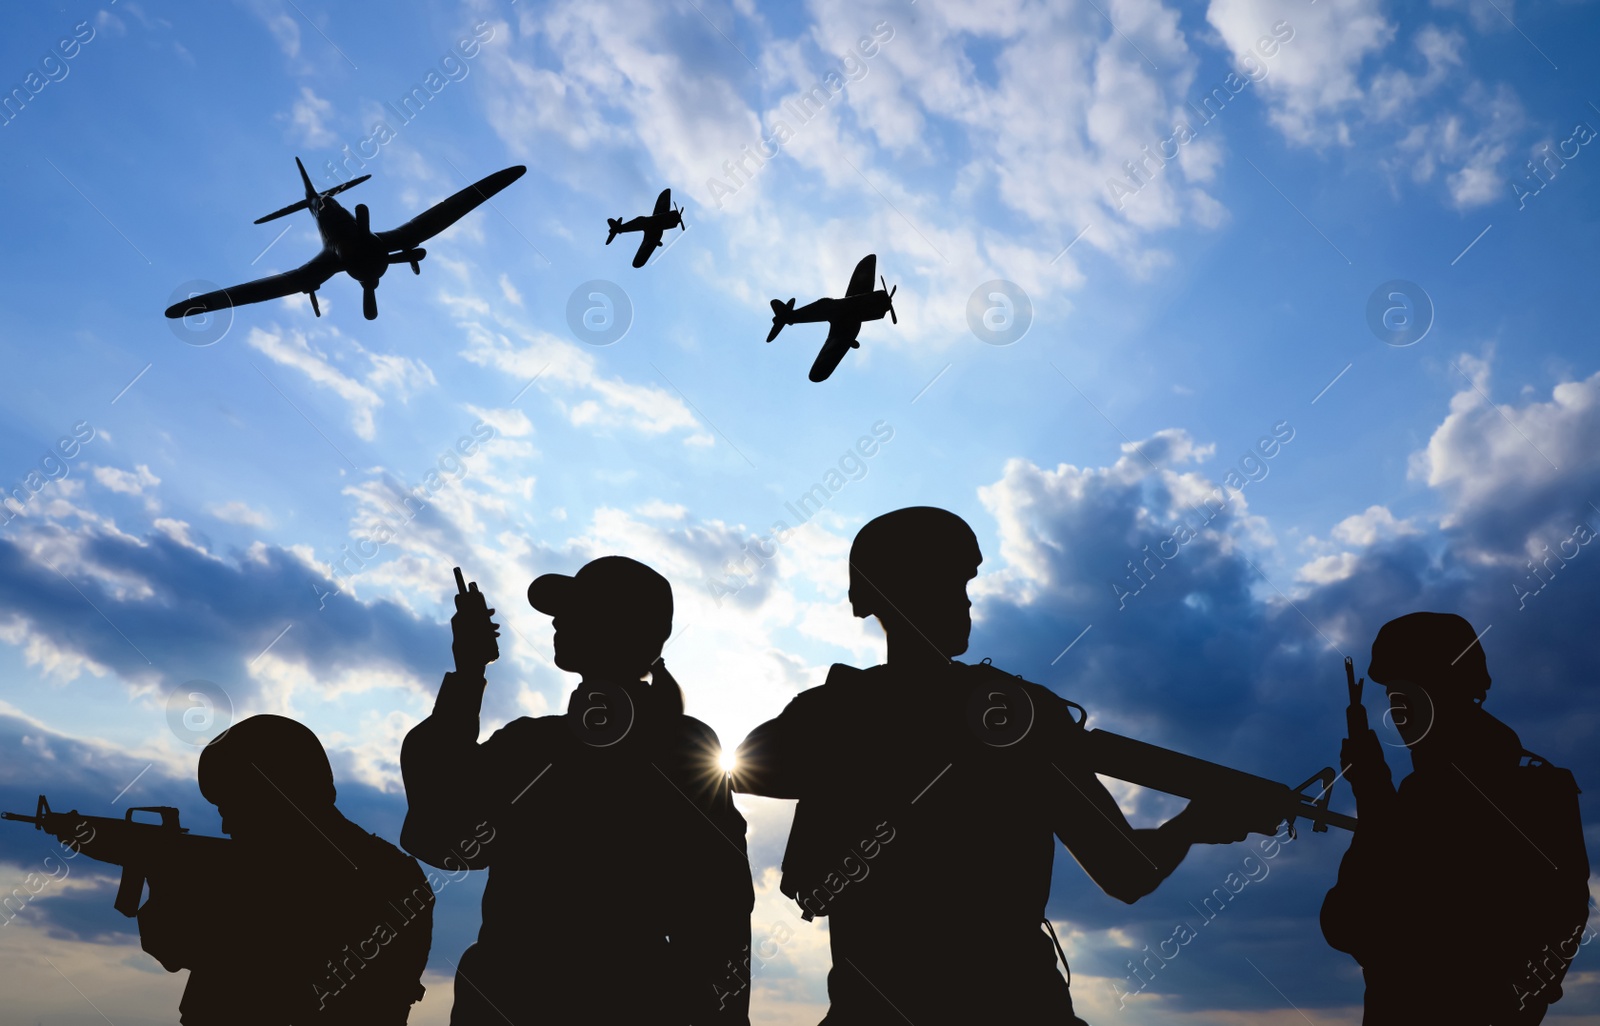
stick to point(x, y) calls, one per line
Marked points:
point(861, 302)
point(666, 216)
point(350, 245)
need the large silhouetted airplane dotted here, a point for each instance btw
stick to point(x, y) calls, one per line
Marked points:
point(653, 225)
point(350, 245)
point(845, 316)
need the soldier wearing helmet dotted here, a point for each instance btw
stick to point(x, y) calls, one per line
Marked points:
point(310, 918)
point(1468, 812)
point(930, 796)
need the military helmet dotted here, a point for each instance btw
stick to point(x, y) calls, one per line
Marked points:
point(1431, 648)
point(263, 756)
point(904, 546)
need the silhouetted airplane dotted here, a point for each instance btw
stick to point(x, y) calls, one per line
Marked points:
point(350, 245)
point(665, 216)
point(861, 303)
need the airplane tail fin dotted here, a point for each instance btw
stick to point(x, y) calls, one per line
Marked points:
point(615, 224)
point(780, 317)
point(311, 194)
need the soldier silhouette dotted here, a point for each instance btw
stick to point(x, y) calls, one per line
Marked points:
point(930, 796)
point(1411, 903)
point(619, 889)
point(302, 917)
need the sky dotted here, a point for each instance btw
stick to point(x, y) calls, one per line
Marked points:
point(1349, 293)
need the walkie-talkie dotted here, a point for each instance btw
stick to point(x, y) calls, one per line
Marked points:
point(470, 601)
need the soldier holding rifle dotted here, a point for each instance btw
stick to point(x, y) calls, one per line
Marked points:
point(930, 796)
point(299, 916)
point(1410, 903)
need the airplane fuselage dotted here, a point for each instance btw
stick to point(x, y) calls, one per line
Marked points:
point(363, 257)
point(651, 222)
point(864, 306)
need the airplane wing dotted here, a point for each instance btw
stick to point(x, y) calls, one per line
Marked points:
point(861, 280)
point(447, 212)
point(308, 277)
point(841, 339)
point(652, 239)
point(664, 202)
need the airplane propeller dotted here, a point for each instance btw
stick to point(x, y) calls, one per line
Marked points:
point(681, 223)
point(892, 318)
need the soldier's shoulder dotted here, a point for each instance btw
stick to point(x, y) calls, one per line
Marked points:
point(526, 729)
point(988, 672)
point(1047, 706)
point(842, 683)
point(691, 729)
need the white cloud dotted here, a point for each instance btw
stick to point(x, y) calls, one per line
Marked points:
point(563, 366)
point(1374, 525)
point(1315, 87)
point(237, 512)
point(62, 662)
point(126, 482)
point(1489, 455)
point(1055, 108)
point(309, 115)
point(1328, 569)
point(400, 376)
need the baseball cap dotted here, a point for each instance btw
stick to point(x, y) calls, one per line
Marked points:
point(616, 588)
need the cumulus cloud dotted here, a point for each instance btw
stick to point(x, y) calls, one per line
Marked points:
point(1353, 75)
point(1316, 88)
point(1502, 464)
point(1214, 658)
point(1369, 527)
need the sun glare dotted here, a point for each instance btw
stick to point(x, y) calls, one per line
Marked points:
point(726, 760)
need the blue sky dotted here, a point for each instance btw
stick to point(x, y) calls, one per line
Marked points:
point(194, 535)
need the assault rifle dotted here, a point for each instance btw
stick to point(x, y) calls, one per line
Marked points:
point(138, 847)
point(1174, 773)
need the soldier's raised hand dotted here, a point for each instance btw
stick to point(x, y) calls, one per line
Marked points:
point(472, 630)
point(1363, 762)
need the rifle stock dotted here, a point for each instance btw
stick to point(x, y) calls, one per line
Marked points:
point(136, 846)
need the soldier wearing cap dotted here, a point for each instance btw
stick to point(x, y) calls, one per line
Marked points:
point(1410, 903)
point(930, 796)
point(606, 830)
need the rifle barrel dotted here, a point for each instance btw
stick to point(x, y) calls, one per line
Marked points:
point(1186, 776)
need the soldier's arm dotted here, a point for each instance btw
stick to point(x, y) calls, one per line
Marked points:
point(396, 955)
point(777, 758)
point(710, 928)
point(446, 782)
point(761, 765)
point(1125, 862)
point(446, 779)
